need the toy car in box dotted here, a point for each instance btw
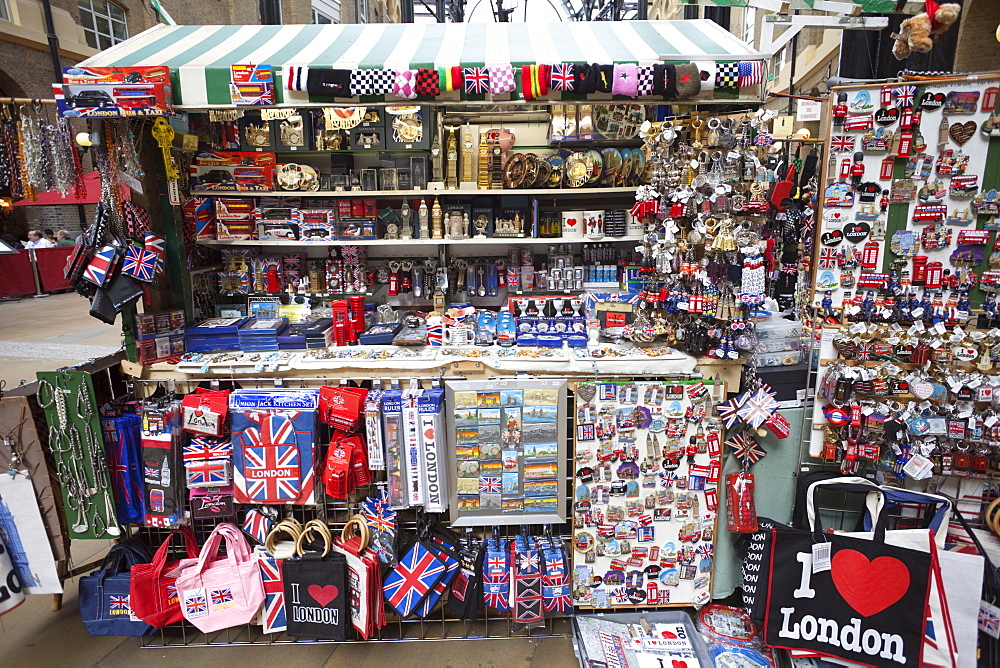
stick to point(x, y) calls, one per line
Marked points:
point(114, 92)
point(318, 225)
point(277, 223)
point(234, 219)
point(233, 171)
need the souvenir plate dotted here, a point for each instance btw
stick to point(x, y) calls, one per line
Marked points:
point(595, 163)
point(298, 177)
point(577, 170)
point(557, 164)
point(638, 166)
point(625, 173)
point(612, 166)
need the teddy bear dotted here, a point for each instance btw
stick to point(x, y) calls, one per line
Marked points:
point(919, 32)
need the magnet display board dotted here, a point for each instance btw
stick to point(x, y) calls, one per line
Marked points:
point(507, 448)
point(911, 194)
point(648, 458)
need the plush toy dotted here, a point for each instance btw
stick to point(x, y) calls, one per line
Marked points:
point(919, 32)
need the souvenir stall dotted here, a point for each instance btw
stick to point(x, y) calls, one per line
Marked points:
point(905, 254)
point(440, 325)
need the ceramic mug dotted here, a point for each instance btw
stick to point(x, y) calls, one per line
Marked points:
point(572, 224)
point(593, 224)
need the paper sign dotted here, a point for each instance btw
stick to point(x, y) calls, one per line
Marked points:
point(808, 110)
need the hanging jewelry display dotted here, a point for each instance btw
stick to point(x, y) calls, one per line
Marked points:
point(77, 448)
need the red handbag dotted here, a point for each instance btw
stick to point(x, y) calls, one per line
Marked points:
point(153, 593)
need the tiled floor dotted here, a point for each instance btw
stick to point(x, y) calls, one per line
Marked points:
point(51, 332)
point(48, 333)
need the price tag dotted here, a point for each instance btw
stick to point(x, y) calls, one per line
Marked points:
point(821, 557)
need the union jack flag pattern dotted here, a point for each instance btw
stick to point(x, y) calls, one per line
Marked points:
point(140, 264)
point(101, 266)
point(273, 618)
point(152, 473)
point(526, 595)
point(728, 410)
point(195, 604)
point(206, 447)
point(751, 73)
point(451, 569)
point(477, 80)
point(902, 96)
point(562, 77)
point(416, 574)
point(746, 449)
point(489, 485)
point(496, 576)
point(118, 603)
point(827, 258)
point(269, 464)
point(157, 245)
point(257, 524)
point(757, 407)
point(222, 596)
point(209, 473)
point(842, 143)
point(555, 583)
point(381, 521)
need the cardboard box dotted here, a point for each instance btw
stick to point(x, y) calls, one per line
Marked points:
point(233, 171)
point(114, 92)
point(200, 212)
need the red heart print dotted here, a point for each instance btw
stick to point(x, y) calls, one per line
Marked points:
point(323, 595)
point(869, 586)
point(678, 664)
point(571, 222)
point(669, 635)
point(429, 434)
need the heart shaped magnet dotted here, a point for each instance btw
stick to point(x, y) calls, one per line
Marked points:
point(832, 238)
point(962, 132)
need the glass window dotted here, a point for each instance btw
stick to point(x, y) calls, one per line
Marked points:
point(4, 11)
point(326, 11)
point(362, 7)
point(103, 22)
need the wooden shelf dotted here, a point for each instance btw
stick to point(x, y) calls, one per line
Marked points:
point(407, 194)
point(504, 241)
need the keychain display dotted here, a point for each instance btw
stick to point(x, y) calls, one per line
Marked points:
point(646, 493)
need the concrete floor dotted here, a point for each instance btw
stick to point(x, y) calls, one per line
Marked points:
point(47, 333)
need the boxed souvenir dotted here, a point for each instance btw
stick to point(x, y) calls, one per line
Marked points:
point(367, 138)
point(380, 334)
point(256, 134)
point(295, 132)
point(317, 225)
point(233, 171)
point(214, 334)
point(277, 222)
point(318, 333)
point(408, 127)
point(414, 425)
point(200, 212)
point(251, 84)
point(262, 334)
point(114, 92)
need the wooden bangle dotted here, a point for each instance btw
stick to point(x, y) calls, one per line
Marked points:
point(320, 528)
point(363, 532)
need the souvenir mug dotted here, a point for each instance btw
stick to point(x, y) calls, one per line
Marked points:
point(572, 224)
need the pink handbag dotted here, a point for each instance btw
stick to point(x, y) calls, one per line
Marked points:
point(219, 592)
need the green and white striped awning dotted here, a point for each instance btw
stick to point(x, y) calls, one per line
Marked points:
point(199, 57)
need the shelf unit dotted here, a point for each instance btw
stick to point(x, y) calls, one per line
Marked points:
point(494, 241)
point(405, 194)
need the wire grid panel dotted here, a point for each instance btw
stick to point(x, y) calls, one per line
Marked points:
point(336, 512)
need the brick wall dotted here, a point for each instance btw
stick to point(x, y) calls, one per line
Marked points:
point(978, 49)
